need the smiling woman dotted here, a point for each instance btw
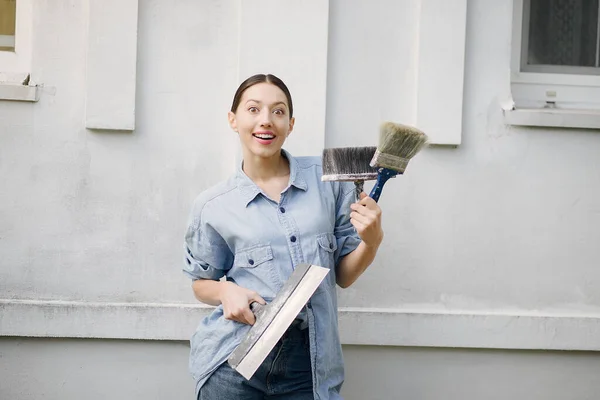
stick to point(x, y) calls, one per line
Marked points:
point(253, 230)
point(8, 14)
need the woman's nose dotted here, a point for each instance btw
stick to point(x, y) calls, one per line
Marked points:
point(265, 118)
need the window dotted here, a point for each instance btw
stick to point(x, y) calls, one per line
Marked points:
point(15, 51)
point(561, 36)
point(15, 36)
point(8, 15)
point(555, 66)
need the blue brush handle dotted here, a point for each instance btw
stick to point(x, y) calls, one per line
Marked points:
point(383, 174)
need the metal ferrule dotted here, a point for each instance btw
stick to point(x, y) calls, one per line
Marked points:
point(389, 161)
point(349, 177)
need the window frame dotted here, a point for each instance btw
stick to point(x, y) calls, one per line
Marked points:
point(19, 60)
point(8, 41)
point(548, 99)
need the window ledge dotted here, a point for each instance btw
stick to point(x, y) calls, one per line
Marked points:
point(553, 117)
point(9, 91)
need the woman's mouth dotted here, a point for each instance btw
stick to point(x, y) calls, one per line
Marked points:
point(264, 138)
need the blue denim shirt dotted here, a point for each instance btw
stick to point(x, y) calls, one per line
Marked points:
point(236, 231)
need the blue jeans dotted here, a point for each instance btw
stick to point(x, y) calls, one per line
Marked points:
point(285, 374)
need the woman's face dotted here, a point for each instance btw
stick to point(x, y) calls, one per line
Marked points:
point(262, 120)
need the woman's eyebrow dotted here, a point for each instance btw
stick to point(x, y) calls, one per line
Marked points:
point(259, 102)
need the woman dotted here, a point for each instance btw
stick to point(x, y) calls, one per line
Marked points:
point(273, 214)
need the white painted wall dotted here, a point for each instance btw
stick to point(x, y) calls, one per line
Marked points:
point(490, 244)
point(507, 221)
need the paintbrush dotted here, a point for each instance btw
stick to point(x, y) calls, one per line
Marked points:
point(350, 164)
point(398, 144)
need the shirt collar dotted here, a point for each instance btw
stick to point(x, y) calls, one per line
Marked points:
point(250, 190)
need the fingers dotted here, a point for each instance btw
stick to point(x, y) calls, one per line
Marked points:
point(237, 306)
point(363, 219)
point(256, 297)
point(366, 219)
point(240, 314)
point(235, 313)
point(360, 227)
point(370, 209)
point(368, 202)
point(365, 214)
point(248, 317)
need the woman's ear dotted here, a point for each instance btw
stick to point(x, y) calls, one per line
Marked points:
point(232, 121)
point(292, 121)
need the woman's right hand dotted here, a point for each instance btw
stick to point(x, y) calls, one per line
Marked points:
point(236, 302)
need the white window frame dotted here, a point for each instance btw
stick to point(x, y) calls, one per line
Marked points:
point(549, 99)
point(15, 66)
point(19, 60)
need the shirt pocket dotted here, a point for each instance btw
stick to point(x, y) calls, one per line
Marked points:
point(327, 243)
point(254, 256)
point(254, 269)
point(326, 247)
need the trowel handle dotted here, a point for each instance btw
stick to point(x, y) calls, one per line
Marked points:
point(256, 307)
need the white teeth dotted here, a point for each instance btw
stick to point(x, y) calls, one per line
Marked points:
point(267, 137)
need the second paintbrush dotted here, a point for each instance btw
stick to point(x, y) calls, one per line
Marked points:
point(350, 164)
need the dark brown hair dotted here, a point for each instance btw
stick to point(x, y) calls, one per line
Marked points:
point(261, 78)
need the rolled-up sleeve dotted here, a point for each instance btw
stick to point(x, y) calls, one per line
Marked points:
point(206, 254)
point(346, 236)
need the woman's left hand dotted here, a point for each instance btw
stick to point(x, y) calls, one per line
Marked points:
point(366, 218)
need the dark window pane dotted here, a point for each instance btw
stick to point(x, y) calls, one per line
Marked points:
point(7, 25)
point(563, 32)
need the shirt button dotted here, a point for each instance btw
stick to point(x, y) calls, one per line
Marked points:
point(282, 210)
point(293, 239)
point(251, 262)
point(331, 246)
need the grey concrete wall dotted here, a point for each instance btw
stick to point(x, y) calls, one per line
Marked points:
point(384, 373)
point(58, 369)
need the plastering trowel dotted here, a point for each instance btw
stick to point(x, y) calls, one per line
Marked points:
point(273, 319)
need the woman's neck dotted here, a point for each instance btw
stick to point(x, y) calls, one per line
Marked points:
point(261, 169)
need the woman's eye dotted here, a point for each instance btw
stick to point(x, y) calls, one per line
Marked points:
point(279, 111)
point(253, 109)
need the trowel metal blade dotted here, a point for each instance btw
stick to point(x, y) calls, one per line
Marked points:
point(275, 319)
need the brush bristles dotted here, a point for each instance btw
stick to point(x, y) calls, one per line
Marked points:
point(397, 145)
point(348, 164)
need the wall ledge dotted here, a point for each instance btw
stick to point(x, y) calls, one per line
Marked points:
point(553, 117)
point(12, 92)
point(358, 326)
